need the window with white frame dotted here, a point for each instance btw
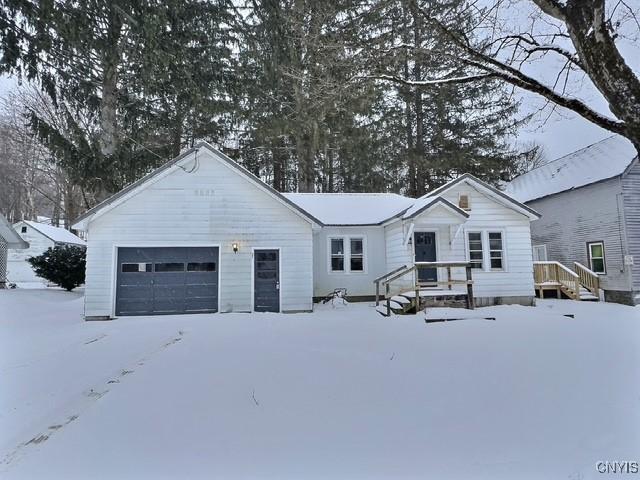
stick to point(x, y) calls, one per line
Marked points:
point(539, 253)
point(337, 254)
point(474, 246)
point(347, 254)
point(596, 257)
point(496, 251)
point(356, 254)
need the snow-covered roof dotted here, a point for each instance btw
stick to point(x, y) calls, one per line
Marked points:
point(351, 208)
point(9, 236)
point(605, 159)
point(57, 234)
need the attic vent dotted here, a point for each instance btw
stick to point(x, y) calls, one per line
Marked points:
point(463, 202)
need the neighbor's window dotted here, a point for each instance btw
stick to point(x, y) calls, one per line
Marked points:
point(496, 251)
point(337, 255)
point(539, 253)
point(356, 262)
point(23, 230)
point(596, 257)
point(474, 240)
point(463, 202)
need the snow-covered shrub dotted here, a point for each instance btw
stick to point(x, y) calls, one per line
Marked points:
point(62, 265)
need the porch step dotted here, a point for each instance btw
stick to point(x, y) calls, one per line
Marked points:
point(382, 310)
point(401, 299)
point(588, 297)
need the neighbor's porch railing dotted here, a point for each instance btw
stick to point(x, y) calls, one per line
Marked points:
point(588, 278)
point(554, 273)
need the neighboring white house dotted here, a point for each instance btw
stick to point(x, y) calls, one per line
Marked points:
point(8, 239)
point(40, 237)
point(202, 234)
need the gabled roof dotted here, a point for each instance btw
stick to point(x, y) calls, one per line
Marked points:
point(117, 198)
point(423, 204)
point(10, 236)
point(55, 234)
point(489, 190)
point(338, 209)
point(600, 161)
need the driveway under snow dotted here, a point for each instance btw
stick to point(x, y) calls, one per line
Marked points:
point(340, 393)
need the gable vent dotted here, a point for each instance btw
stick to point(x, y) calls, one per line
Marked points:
point(463, 202)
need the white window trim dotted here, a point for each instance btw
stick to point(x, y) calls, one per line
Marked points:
point(590, 257)
point(544, 247)
point(346, 239)
point(503, 250)
point(468, 251)
point(486, 256)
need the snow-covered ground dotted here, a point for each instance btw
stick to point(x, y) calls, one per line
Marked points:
point(341, 393)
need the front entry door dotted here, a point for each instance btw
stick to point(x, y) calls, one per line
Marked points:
point(425, 251)
point(266, 282)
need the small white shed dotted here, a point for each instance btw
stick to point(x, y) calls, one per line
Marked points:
point(40, 237)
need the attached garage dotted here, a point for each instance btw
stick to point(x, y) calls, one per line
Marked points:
point(200, 234)
point(167, 280)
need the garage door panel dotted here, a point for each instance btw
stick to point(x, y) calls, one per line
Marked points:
point(134, 306)
point(167, 280)
point(202, 304)
point(209, 290)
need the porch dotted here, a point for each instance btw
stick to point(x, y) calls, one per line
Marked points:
point(452, 291)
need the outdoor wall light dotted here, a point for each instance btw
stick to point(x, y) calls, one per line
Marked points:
point(234, 246)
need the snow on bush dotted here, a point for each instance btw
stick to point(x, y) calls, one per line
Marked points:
point(62, 265)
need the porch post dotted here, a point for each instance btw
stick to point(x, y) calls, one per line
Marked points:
point(470, 300)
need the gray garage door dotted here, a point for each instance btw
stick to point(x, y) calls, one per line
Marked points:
point(167, 280)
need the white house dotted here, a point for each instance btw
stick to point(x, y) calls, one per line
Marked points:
point(40, 237)
point(202, 234)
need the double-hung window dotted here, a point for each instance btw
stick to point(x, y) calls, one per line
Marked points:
point(347, 254)
point(486, 250)
point(337, 254)
point(475, 249)
point(596, 257)
point(356, 254)
point(496, 251)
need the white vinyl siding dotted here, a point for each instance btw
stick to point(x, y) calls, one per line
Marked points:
point(357, 283)
point(213, 205)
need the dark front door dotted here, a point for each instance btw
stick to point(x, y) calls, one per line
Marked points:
point(167, 280)
point(425, 249)
point(266, 282)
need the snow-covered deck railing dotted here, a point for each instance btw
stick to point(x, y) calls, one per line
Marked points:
point(400, 272)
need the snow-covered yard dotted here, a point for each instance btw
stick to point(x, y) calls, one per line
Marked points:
point(340, 393)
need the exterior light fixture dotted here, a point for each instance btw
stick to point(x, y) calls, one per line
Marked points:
point(234, 246)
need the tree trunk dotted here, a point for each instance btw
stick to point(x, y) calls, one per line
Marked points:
point(109, 100)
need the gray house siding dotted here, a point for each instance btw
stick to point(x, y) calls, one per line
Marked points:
point(592, 213)
point(631, 201)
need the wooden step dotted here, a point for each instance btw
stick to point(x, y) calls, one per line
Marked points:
point(401, 299)
point(382, 310)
